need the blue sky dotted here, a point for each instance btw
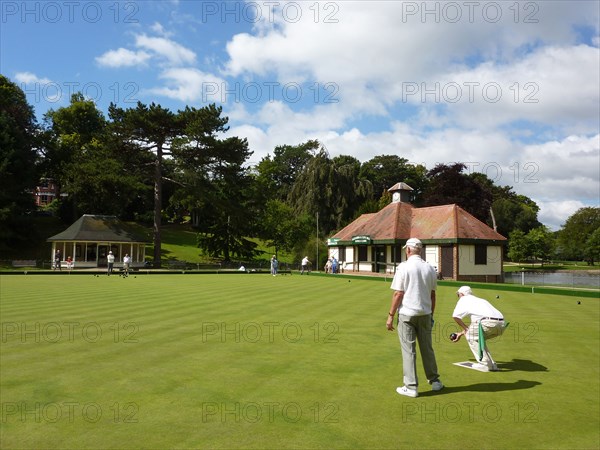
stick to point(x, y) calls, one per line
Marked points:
point(510, 88)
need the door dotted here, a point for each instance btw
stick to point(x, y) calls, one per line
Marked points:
point(102, 253)
point(447, 262)
point(379, 259)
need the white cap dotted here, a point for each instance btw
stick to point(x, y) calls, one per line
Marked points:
point(414, 243)
point(464, 290)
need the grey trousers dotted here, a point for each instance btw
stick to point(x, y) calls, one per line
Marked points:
point(413, 329)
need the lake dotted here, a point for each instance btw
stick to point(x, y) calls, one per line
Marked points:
point(575, 279)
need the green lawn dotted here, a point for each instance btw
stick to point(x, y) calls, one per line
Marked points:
point(550, 267)
point(180, 242)
point(254, 361)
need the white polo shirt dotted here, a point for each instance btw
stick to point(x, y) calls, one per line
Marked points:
point(477, 308)
point(416, 278)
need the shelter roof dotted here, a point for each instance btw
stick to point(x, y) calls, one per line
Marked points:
point(100, 229)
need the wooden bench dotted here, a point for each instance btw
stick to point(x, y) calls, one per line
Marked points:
point(177, 264)
point(24, 263)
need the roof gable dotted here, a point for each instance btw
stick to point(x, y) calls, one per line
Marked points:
point(98, 228)
point(400, 221)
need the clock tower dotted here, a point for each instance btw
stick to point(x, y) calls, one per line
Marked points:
point(400, 193)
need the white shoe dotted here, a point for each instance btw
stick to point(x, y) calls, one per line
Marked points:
point(480, 366)
point(406, 391)
point(437, 386)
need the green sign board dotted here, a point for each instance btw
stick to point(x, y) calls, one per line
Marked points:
point(361, 239)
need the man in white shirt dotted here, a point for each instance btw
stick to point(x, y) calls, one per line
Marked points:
point(414, 286)
point(126, 264)
point(305, 262)
point(110, 259)
point(482, 313)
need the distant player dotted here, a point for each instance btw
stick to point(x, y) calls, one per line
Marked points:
point(304, 264)
point(274, 265)
point(126, 264)
point(57, 259)
point(110, 259)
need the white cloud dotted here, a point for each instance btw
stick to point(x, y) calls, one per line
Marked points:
point(52, 91)
point(556, 86)
point(164, 50)
point(555, 214)
point(540, 136)
point(375, 51)
point(171, 51)
point(29, 78)
point(188, 85)
point(123, 57)
point(159, 29)
point(569, 167)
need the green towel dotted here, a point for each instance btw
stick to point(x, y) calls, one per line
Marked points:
point(481, 341)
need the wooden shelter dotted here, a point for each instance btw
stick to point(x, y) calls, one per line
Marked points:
point(91, 237)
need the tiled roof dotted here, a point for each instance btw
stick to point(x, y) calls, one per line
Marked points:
point(400, 221)
point(98, 228)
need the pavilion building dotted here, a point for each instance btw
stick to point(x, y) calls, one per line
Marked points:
point(457, 244)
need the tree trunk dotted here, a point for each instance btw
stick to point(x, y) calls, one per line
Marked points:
point(157, 205)
point(493, 219)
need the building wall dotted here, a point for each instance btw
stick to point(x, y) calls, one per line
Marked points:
point(45, 193)
point(349, 257)
point(467, 266)
point(464, 268)
point(432, 255)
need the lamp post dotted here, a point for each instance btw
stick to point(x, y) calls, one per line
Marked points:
point(317, 260)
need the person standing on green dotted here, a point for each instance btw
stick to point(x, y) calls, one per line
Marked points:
point(414, 285)
point(110, 259)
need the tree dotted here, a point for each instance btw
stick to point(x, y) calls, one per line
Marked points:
point(351, 191)
point(281, 228)
point(227, 220)
point(509, 211)
point(277, 174)
point(152, 128)
point(518, 246)
point(214, 183)
point(537, 244)
point(449, 185)
point(18, 170)
point(95, 171)
point(592, 247)
point(99, 181)
point(573, 237)
point(384, 171)
point(331, 189)
point(512, 213)
point(68, 131)
point(540, 243)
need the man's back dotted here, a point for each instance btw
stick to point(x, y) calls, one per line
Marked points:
point(416, 278)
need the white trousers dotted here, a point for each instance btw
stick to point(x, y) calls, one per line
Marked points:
point(491, 329)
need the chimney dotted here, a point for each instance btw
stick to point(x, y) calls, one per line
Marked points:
point(400, 193)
